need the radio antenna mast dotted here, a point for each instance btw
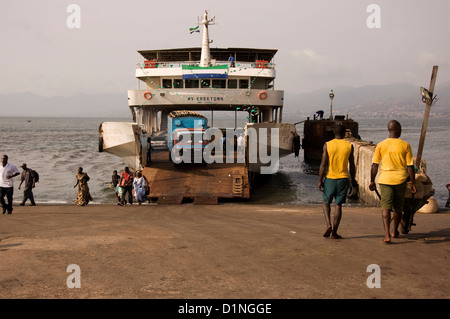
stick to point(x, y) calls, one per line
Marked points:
point(205, 58)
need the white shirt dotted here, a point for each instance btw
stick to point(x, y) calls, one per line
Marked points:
point(8, 170)
point(240, 141)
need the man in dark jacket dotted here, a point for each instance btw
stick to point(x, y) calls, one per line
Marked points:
point(28, 178)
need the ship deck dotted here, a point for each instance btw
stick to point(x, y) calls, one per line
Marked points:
point(197, 183)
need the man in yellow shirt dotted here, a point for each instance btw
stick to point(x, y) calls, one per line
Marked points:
point(394, 155)
point(337, 156)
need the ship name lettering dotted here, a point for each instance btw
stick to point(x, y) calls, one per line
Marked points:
point(206, 98)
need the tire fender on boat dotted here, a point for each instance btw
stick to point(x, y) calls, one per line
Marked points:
point(100, 144)
point(147, 95)
point(262, 95)
point(296, 144)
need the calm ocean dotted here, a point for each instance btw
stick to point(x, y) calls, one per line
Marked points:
point(56, 147)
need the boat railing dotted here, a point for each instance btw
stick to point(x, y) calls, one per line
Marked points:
point(152, 64)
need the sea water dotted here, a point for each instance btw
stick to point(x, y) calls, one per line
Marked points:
point(56, 147)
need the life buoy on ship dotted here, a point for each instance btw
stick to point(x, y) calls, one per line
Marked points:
point(262, 95)
point(148, 95)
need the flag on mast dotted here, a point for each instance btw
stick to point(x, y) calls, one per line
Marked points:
point(196, 29)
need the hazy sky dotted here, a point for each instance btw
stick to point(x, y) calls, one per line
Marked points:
point(322, 43)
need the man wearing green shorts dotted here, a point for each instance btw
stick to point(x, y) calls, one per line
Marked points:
point(394, 155)
point(337, 156)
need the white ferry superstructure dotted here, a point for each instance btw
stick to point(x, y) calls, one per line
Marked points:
point(203, 79)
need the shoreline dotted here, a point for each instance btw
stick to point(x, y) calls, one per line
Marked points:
point(441, 209)
point(230, 251)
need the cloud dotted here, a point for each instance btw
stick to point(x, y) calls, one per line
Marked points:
point(427, 58)
point(306, 70)
point(318, 65)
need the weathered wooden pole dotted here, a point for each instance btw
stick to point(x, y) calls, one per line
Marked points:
point(426, 115)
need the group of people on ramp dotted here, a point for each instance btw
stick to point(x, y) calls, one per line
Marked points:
point(128, 186)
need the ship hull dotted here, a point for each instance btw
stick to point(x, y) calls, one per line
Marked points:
point(317, 132)
point(121, 139)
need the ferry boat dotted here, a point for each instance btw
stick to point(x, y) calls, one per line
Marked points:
point(239, 81)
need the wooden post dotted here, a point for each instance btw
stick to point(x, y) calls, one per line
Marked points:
point(425, 117)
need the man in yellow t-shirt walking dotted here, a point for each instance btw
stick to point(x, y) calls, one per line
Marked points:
point(337, 156)
point(394, 155)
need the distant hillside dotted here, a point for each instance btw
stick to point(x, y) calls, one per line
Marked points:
point(81, 105)
point(382, 101)
point(401, 100)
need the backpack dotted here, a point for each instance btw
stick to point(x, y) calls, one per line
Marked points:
point(35, 175)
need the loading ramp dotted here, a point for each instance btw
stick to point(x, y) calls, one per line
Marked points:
point(197, 183)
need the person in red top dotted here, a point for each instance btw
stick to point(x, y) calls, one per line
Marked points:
point(126, 183)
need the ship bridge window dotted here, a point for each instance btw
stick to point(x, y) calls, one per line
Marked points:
point(219, 84)
point(232, 84)
point(177, 83)
point(243, 84)
point(205, 83)
point(191, 84)
point(167, 83)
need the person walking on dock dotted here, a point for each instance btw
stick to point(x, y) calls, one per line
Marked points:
point(7, 173)
point(337, 156)
point(83, 194)
point(115, 184)
point(139, 187)
point(30, 181)
point(126, 183)
point(394, 155)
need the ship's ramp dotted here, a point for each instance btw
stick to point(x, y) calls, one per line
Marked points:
point(196, 183)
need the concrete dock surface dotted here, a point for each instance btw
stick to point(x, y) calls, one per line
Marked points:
point(226, 251)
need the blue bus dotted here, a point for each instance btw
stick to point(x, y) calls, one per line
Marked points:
point(185, 133)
